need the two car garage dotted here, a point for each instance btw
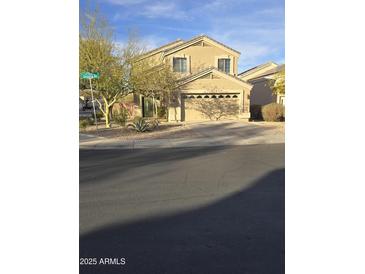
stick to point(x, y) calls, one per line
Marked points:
point(210, 95)
point(203, 106)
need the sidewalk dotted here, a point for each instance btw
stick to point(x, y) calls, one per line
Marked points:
point(95, 142)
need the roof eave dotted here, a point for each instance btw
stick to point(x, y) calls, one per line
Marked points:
point(197, 39)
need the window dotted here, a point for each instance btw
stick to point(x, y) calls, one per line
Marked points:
point(179, 64)
point(224, 65)
point(206, 96)
point(221, 96)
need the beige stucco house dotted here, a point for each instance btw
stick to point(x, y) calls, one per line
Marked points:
point(260, 77)
point(208, 87)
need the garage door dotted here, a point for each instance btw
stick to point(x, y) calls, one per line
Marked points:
point(199, 107)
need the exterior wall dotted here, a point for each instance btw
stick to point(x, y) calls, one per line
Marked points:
point(203, 55)
point(174, 112)
point(211, 84)
point(130, 99)
point(261, 93)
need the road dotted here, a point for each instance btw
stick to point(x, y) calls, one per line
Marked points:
point(184, 210)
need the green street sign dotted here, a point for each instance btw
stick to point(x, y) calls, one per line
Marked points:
point(89, 75)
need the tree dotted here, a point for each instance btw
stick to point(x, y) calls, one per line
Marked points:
point(98, 53)
point(154, 80)
point(277, 84)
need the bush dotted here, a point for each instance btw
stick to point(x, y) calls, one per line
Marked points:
point(256, 112)
point(140, 125)
point(154, 123)
point(121, 117)
point(273, 112)
point(83, 124)
point(99, 115)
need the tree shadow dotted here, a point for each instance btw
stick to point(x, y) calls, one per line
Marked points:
point(104, 164)
point(216, 109)
point(242, 233)
point(232, 129)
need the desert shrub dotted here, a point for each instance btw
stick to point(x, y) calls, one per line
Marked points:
point(256, 112)
point(140, 125)
point(83, 123)
point(154, 123)
point(273, 112)
point(99, 115)
point(121, 116)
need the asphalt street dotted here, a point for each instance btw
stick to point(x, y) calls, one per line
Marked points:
point(183, 210)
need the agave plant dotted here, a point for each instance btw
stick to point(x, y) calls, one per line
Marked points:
point(140, 125)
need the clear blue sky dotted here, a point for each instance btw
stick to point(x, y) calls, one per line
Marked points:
point(253, 27)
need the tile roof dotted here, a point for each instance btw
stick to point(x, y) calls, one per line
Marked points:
point(270, 72)
point(251, 70)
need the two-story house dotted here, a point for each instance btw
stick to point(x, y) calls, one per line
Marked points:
point(209, 88)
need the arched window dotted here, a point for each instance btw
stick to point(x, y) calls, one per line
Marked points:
point(206, 96)
point(191, 96)
point(228, 96)
point(234, 96)
point(214, 96)
point(221, 96)
point(199, 96)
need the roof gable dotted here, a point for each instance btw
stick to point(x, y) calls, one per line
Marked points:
point(201, 38)
point(204, 73)
point(162, 48)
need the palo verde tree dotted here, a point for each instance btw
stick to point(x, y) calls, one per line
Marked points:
point(98, 53)
point(154, 80)
point(277, 84)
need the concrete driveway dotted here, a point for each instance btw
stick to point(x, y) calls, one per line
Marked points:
point(216, 209)
point(213, 133)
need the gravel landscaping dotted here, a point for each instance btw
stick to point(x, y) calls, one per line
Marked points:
point(164, 130)
point(190, 130)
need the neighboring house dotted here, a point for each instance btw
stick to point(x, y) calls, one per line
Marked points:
point(261, 77)
point(209, 88)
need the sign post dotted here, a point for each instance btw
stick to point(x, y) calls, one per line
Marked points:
point(89, 75)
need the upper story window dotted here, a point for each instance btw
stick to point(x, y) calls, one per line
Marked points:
point(224, 64)
point(179, 64)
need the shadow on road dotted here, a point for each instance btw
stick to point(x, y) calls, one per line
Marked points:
point(97, 166)
point(242, 233)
